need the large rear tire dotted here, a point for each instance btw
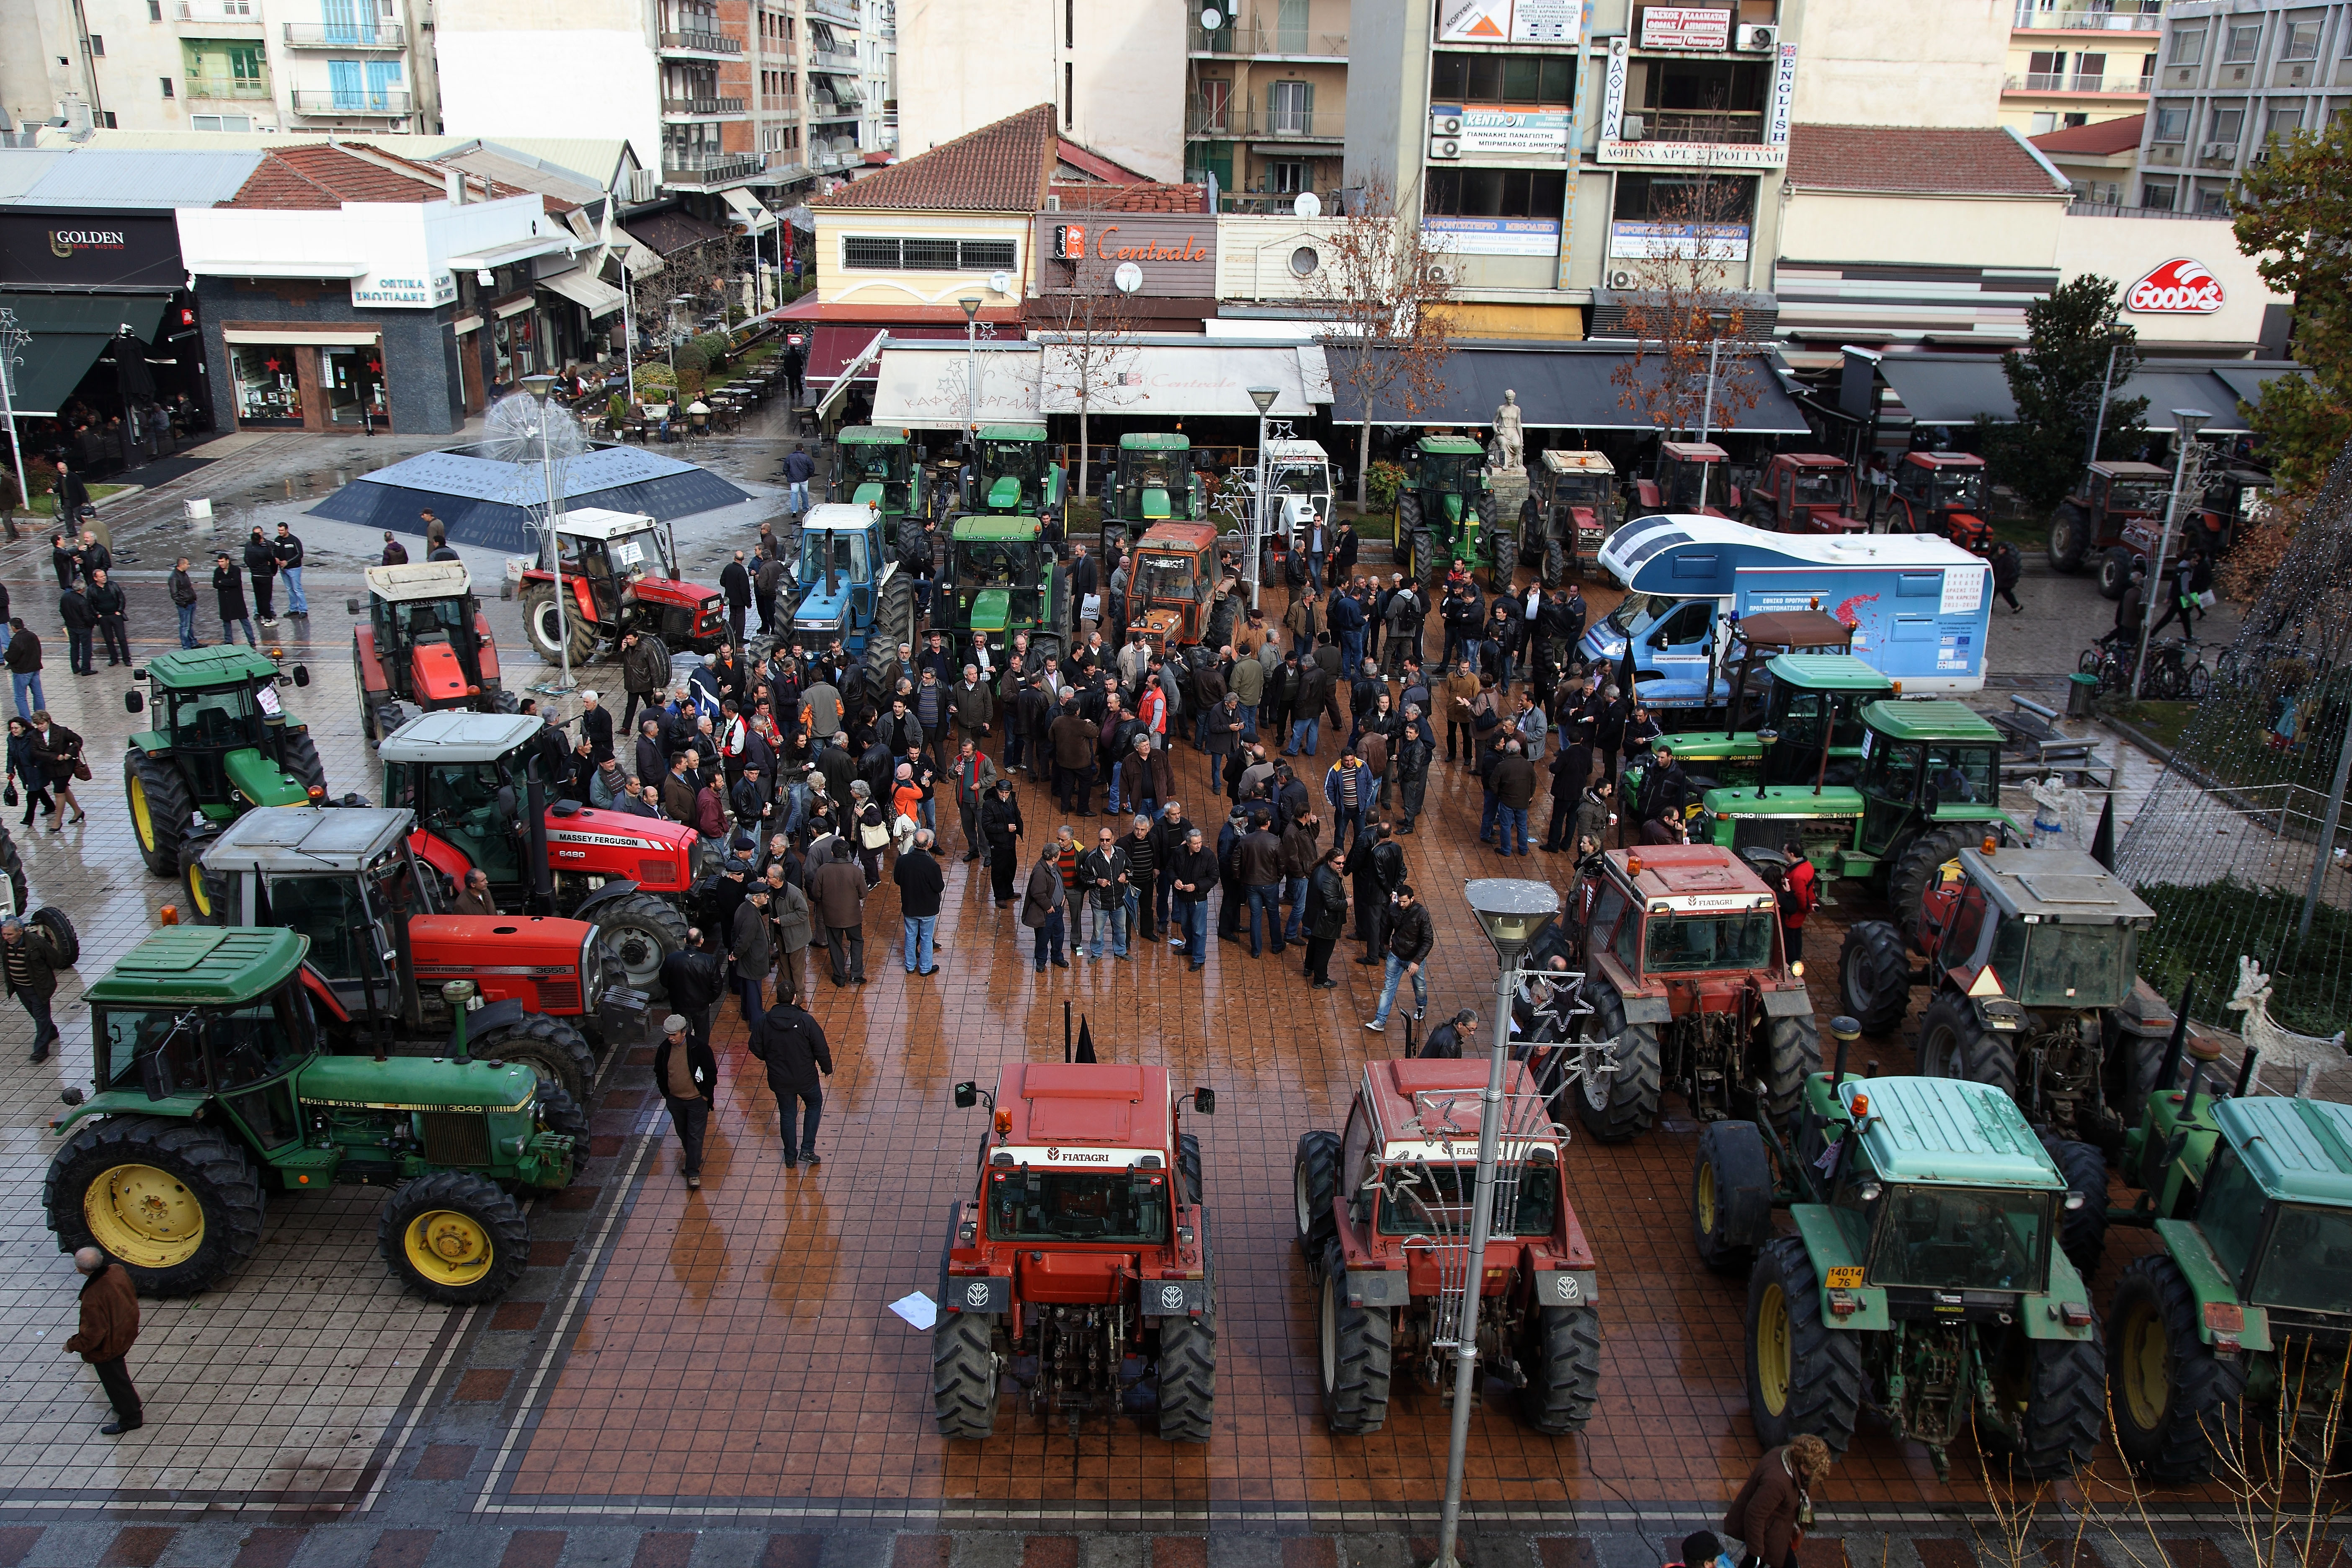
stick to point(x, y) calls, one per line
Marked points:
point(2114, 572)
point(2170, 1395)
point(1793, 1053)
point(1615, 1106)
point(1731, 1195)
point(160, 806)
point(2070, 538)
point(1803, 1375)
point(894, 622)
point(178, 1206)
point(1874, 976)
point(1953, 1045)
point(642, 931)
point(2062, 1384)
point(454, 1238)
point(1919, 866)
point(1562, 1362)
point(963, 1378)
point(1188, 1165)
point(51, 922)
point(1315, 1185)
point(301, 758)
point(1188, 1379)
point(547, 629)
point(2082, 1232)
point(1357, 1347)
point(554, 1050)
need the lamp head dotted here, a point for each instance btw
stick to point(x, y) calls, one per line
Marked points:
point(1264, 397)
point(539, 386)
point(2189, 421)
point(1510, 909)
point(970, 303)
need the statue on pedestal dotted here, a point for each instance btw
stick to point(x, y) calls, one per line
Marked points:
point(1510, 437)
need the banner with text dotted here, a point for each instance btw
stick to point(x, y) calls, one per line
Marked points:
point(1510, 21)
point(1494, 236)
point(1541, 132)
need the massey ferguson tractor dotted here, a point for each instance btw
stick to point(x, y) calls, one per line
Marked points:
point(1078, 1275)
point(1569, 513)
point(1692, 476)
point(425, 645)
point(1803, 493)
point(384, 947)
point(472, 781)
point(620, 576)
point(1385, 1220)
point(1941, 492)
point(1688, 987)
point(2090, 522)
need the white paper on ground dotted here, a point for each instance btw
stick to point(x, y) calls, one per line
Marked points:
point(919, 1310)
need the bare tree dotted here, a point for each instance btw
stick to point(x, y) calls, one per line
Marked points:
point(1381, 296)
point(1685, 309)
point(1091, 342)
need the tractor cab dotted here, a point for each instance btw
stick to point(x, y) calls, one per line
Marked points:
point(2045, 928)
point(2089, 525)
point(467, 787)
point(1805, 492)
point(1808, 728)
point(620, 576)
point(1002, 579)
point(1442, 505)
point(425, 643)
point(1570, 512)
point(842, 556)
point(1692, 478)
point(1301, 469)
point(1941, 492)
point(2233, 497)
point(1172, 576)
point(874, 466)
point(1015, 475)
point(1152, 481)
point(221, 743)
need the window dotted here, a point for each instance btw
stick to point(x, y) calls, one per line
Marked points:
point(2187, 47)
point(1494, 193)
point(1502, 78)
point(877, 253)
point(1069, 24)
point(96, 45)
point(1286, 179)
point(2089, 70)
point(2227, 124)
point(1289, 109)
point(2072, 121)
point(154, 10)
point(2044, 123)
point(2244, 43)
point(2045, 63)
point(1216, 105)
point(2302, 41)
point(1961, 1238)
point(1069, 96)
point(2171, 122)
point(2156, 195)
point(2213, 201)
point(2284, 122)
point(166, 84)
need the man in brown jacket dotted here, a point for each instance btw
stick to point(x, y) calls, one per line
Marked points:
point(1770, 1514)
point(109, 1326)
point(838, 891)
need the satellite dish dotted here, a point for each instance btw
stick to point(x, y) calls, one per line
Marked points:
point(1000, 281)
point(1308, 204)
point(1129, 276)
point(1212, 19)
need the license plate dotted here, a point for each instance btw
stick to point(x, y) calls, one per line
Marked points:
point(1848, 1277)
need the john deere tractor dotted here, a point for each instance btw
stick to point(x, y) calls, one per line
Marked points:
point(212, 1093)
point(222, 744)
point(1445, 512)
point(1013, 475)
point(1002, 580)
point(1152, 482)
point(874, 466)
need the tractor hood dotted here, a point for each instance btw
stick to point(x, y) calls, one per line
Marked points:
point(991, 609)
point(819, 608)
point(676, 591)
point(261, 781)
point(436, 675)
point(416, 1083)
point(1004, 494)
point(867, 494)
point(1454, 508)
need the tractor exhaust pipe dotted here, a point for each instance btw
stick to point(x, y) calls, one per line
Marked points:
point(1845, 1031)
point(542, 879)
point(2173, 1047)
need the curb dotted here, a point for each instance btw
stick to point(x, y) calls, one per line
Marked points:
point(2136, 736)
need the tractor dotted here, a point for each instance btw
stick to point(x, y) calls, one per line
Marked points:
point(2211, 526)
point(1152, 481)
point(384, 947)
point(874, 466)
point(1941, 492)
point(1687, 482)
point(1300, 486)
point(1079, 1271)
point(1803, 493)
point(1923, 1280)
point(1445, 512)
point(1927, 781)
point(1170, 584)
point(850, 586)
point(479, 802)
point(1688, 987)
point(1013, 475)
point(620, 576)
point(222, 744)
point(212, 1091)
point(1569, 513)
point(1385, 1220)
point(1002, 580)
point(1808, 709)
point(425, 644)
point(2030, 959)
point(2232, 498)
point(2091, 521)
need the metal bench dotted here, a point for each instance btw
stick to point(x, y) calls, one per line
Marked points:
point(2032, 747)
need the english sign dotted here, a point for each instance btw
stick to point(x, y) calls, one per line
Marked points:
point(58, 249)
point(1176, 252)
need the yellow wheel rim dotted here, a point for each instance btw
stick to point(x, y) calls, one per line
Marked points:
point(142, 821)
point(1707, 1200)
point(1773, 1350)
point(2147, 1388)
point(144, 1216)
point(196, 894)
point(449, 1248)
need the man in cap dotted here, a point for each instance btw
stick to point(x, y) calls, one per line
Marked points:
point(688, 1075)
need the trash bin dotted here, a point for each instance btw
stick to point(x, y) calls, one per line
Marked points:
point(2080, 690)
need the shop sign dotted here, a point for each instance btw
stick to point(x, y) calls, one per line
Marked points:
point(409, 291)
point(1176, 252)
point(1632, 240)
point(1784, 97)
point(90, 249)
point(1537, 133)
point(1510, 21)
point(1493, 235)
point(1685, 28)
point(2181, 287)
point(1770, 154)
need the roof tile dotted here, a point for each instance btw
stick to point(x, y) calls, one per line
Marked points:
point(1916, 159)
point(1001, 167)
point(321, 178)
point(1148, 197)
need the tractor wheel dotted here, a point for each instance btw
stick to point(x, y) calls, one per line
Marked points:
point(1918, 867)
point(302, 758)
point(206, 894)
point(559, 1114)
point(1530, 527)
point(1429, 563)
point(178, 1205)
point(1874, 976)
point(894, 622)
point(1731, 1195)
point(1615, 1106)
point(454, 1236)
point(2142, 1060)
point(963, 1377)
point(1188, 1379)
point(1408, 515)
point(1899, 519)
point(642, 931)
point(1792, 1054)
point(552, 1050)
point(1188, 1165)
point(51, 922)
point(2062, 1385)
point(547, 628)
point(2083, 1232)
point(1314, 1185)
point(1953, 1045)
point(1562, 1360)
point(2169, 1395)
point(2070, 538)
point(160, 807)
point(1803, 1375)
point(12, 866)
point(1555, 565)
point(1502, 561)
point(1358, 1345)
point(2114, 572)
point(505, 702)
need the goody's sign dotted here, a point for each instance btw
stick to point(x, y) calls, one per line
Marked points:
point(2181, 287)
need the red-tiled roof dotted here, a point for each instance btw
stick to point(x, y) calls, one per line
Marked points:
point(1086, 161)
point(2103, 139)
point(322, 178)
point(1913, 160)
point(1001, 167)
point(1151, 196)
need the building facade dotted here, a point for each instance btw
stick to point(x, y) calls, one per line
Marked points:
point(1266, 100)
point(2072, 63)
point(2228, 78)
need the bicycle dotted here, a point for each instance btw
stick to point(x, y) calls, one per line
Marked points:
point(2177, 669)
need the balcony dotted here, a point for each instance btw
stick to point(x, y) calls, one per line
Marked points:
point(1250, 122)
point(2067, 82)
point(824, 107)
point(701, 43)
point(708, 171)
point(836, 11)
point(1709, 128)
point(346, 35)
point(227, 87)
point(2033, 19)
point(358, 101)
point(1266, 43)
point(832, 60)
point(690, 108)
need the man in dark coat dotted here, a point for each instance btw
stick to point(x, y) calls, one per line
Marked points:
point(107, 606)
point(28, 967)
point(735, 583)
point(109, 1328)
point(692, 979)
point(261, 565)
point(1326, 916)
point(80, 622)
point(688, 1076)
point(750, 955)
point(794, 1048)
point(228, 591)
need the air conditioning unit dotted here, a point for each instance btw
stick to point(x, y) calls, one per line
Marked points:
point(1751, 36)
point(1442, 272)
point(1621, 277)
point(1631, 128)
point(2208, 152)
point(1445, 147)
point(645, 184)
point(1446, 124)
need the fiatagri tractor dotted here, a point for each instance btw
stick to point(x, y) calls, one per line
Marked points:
point(1445, 512)
point(2090, 522)
point(1079, 1274)
point(212, 1092)
point(425, 645)
point(1803, 493)
point(850, 586)
point(385, 948)
point(1170, 584)
point(1384, 1220)
point(1693, 477)
point(1152, 481)
point(1941, 492)
point(1569, 513)
point(479, 802)
point(620, 576)
point(223, 743)
point(1923, 1282)
point(876, 467)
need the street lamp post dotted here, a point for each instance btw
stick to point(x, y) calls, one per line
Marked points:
point(539, 386)
point(970, 303)
point(2186, 423)
point(1264, 397)
point(13, 338)
point(1510, 910)
point(669, 336)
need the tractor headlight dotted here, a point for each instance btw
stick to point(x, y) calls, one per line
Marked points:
point(591, 969)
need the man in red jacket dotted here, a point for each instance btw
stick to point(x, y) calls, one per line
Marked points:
point(1801, 893)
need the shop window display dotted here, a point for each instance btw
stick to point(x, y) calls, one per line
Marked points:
point(268, 385)
point(353, 382)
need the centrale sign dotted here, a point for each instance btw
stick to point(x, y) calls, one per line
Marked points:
point(1110, 248)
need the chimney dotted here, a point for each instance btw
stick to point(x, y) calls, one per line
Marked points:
point(453, 182)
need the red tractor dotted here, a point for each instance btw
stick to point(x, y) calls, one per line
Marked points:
point(1080, 1270)
point(620, 576)
point(480, 801)
point(2091, 521)
point(1941, 492)
point(1805, 492)
point(1692, 476)
point(1688, 987)
point(1383, 1213)
point(1171, 576)
point(425, 645)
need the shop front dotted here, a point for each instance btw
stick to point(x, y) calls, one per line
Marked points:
point(302, 377)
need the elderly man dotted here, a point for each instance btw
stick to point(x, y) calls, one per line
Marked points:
point(109, 1328)
point(688, 1075)
point(474, 897)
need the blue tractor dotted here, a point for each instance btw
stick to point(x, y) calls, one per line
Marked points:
point(850, 587)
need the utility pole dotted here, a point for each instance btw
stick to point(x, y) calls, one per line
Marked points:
point(539, 386)
point(1264, 397)
point(13, 338)
point(2186, 423)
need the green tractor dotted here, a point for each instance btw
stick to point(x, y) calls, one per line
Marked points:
point(1445, 512)
point(213, 1091)
point(1812, 699)
point(1015, 475)
point(1152, 481)
point(223, 743)
point(1923, 1279)
point(874, 466)
point(1002, 580)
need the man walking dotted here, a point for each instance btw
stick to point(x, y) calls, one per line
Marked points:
point(643, 672)
point(1043, 901)
point(29, 965)
point(921, 885)
point(1326, 916)
point(109, 1327)
point(692, 979)
point(183, 601)
point(750, 952)
point(1192, 872)
point(799, 468)
point(793, 1047)
point(688, 1076)
point(735, 583)
point(289, 552)
point(1411, 937)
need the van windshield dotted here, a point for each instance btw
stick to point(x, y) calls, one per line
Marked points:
point(1638, 610)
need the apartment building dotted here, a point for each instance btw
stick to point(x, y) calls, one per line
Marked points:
point(2079, 62)
point(221, 64)
point(2230, 77)
point(1266, 100)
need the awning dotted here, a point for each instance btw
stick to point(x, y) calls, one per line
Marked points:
point(2248, 379)
point(637, 258)
point(1165, 380)
point(465, 324)
point(272, 336)
point(594, 295)
point(512, 308)
point(1561, 387)
point(833, 344)
point(495, 256)
point(278, 268)
point(929, 388)
point(1954, 389)
point(756, 218)
point(1940, 389)
point(68, 333)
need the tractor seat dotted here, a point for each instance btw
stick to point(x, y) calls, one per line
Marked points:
point(1155, 503)
point(215, 728)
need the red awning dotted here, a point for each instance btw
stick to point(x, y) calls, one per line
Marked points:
point(838, 342)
